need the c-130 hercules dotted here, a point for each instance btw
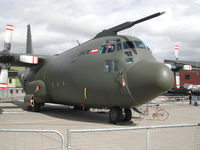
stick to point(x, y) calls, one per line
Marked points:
point(110, 71)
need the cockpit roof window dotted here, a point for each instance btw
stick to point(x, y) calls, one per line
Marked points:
point(128, 44)
point(139, 44)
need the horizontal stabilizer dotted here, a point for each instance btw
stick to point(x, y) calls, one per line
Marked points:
point(113, 31)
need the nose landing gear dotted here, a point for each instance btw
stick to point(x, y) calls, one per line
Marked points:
point(118, 115)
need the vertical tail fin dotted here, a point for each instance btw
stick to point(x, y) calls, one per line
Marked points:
point(29, 48)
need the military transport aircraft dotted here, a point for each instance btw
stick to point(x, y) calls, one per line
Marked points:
point(117, 72)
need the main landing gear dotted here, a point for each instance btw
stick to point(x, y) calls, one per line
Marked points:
point(33, 105)
point(118, 115)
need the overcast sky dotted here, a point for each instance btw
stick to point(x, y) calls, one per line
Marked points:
point(57, 24)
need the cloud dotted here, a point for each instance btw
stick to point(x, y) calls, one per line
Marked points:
point(57, 24)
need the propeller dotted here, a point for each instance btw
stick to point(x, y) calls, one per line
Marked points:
point(6, 49)
point(6, 58)
point(177, 66)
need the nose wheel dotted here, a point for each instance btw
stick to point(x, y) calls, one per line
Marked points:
point(118, 115)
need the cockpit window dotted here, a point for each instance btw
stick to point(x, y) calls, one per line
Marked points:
point(128, 53)
point(139, 44)
point(111, 66)
point(115, 66)
point(103, 49)
point(119, 46)
point(128, 44)
point(129, 60)
point(111, 48)
point(108, 66)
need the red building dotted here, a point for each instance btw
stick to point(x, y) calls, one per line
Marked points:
point(189, 77)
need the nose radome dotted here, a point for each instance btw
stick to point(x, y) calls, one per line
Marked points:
point(165, 78)
point(149, 79)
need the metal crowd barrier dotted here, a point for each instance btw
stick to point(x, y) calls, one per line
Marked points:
point(34, 139)
point(165, 137)
point(11, 94)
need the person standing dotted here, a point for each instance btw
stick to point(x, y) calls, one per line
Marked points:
point(190, 97)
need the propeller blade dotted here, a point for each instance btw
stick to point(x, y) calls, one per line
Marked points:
point(28, 59)
point(3, 78)
point(187, 67)
point(8, 37)
point(176, 48)
point(177, 80)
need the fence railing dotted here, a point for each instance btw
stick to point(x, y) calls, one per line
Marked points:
point(11, 94)
point(24, 139)
point(165, 137)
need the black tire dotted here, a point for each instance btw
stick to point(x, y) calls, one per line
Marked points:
point(42, 104)
point(115, 115)
point(86, 109)
point(29, 108)
point(36, 107)
point(128, 115)
point(78, 108)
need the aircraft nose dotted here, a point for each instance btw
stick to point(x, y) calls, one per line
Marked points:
point(149, 79)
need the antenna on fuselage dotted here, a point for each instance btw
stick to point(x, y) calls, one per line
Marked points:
point(78, 42)
point(113, 31)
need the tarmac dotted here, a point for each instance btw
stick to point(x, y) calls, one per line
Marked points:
point(61, 118)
